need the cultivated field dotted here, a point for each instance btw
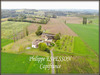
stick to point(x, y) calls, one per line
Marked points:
point(83, 59)
point(66, 43)
point(76, 41)
point(9, 28)
point(55, 26)
point(73, 20)
point(89, 33)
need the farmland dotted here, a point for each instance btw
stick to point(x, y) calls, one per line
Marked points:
point(55, 25)
point(80, 57)
point(89, 33)
point(4, 42)
point(8, 28)
point(70, 39)
point(19, 63)
point(66, 43)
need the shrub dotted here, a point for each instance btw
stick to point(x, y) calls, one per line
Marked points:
point(47, 49)
point(38, 33)
point(58, 44)
point(57, 37)
point(42, 46)
point(52, 44)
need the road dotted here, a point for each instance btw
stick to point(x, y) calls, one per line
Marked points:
point(52, 62)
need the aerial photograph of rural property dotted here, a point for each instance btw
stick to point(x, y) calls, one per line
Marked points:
point(49, 37)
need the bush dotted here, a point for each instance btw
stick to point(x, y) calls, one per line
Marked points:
point(42, 46)
point(58, 44)
point(47, 49)
point(52, 44)
point(38, 33)
point(57, 37)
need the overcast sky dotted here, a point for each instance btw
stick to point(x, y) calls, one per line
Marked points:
point(50, 5)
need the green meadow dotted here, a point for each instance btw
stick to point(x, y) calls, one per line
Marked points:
point(88, 33)
point(20, 64)
point(4, 42)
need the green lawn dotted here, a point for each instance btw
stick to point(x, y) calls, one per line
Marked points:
point(20, 64)
point(89, 33)
point(4, 42)
point(10, 28)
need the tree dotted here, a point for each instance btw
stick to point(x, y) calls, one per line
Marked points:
point(38, 32)
point(42, 46)
point(39, 28)
point(84, 20)
point(26, 31)
point(57, 37)
point(58, 44)
point(54, 16)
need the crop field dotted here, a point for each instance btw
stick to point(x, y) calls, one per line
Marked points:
point(73, 20)
point(55, 25)
point(66, 43)
point(81, 56)
point(4, 42)
point(8, 28)
point(20, 64)
point(89, 33)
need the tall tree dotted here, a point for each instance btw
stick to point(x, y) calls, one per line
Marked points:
point(84, 20)
point(27, 31)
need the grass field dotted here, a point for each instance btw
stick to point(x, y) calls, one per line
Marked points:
point(20, 64)
point(89, 33)
point(8, 28)
point(4, 42)
point(83, 59)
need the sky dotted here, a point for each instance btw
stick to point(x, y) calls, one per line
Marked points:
point(50, 5)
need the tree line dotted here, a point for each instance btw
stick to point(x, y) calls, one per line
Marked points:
point(42, 21)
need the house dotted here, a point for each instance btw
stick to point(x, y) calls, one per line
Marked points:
point(47, 43)
point(48, 37)
point(36, 43)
